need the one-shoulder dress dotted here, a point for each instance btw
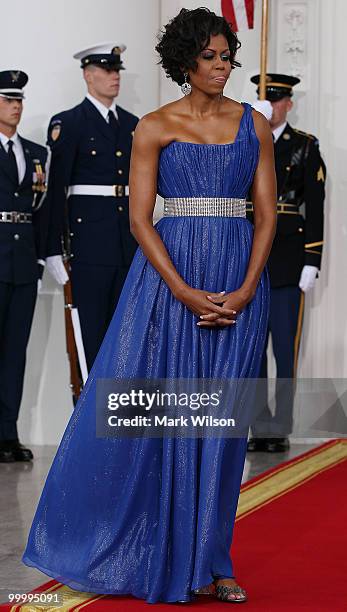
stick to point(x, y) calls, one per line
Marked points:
point(154, 517)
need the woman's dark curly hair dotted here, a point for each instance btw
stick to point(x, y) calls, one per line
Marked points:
point(185, 36)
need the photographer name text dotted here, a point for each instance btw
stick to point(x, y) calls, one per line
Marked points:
point(165, 421)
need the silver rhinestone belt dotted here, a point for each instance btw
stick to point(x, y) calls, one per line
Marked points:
point(204, 207)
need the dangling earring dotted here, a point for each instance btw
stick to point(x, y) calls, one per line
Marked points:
point(186, 87)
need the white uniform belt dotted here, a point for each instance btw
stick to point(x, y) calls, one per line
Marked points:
point(15, 217)
point(211, 207)
point(116, 191)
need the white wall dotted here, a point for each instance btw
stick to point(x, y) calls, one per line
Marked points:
point(320, 40)
point(59, 30)
point(325, 333)
point(41, 37)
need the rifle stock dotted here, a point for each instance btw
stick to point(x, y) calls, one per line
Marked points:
point(76, 382)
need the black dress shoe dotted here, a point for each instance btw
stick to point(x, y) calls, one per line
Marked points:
point(6, 456)
point(20, 452)
point(256, 444)
point(277, 445)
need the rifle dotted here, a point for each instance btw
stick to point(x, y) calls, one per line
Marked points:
point(76, 382)
point(74, 345)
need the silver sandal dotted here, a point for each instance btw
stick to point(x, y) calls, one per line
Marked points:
point(209, 589)
point(223, 592)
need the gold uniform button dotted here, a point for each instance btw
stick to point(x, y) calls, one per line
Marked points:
point(79, 220)
point(93, 152)
point(288, 168)
point(300, 229)
point(119, 153)
point(120, 171)
point(120, 207)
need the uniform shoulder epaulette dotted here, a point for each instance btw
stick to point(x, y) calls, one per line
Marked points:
point(126, 113)
point(41, 148)
point(302, 133)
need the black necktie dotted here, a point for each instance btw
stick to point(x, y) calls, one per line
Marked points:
point(12, 163)
point(113, 123)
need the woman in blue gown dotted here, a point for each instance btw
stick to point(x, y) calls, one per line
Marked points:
point(153, 517)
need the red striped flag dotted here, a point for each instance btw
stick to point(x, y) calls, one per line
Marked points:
point(240, 13)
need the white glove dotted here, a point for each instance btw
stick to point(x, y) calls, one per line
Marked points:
point(264, 107)
point(55, 267)
point(41, 263)
point(307, 278)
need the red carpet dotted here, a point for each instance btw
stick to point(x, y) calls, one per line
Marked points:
point(289, 547)
point(290, 553)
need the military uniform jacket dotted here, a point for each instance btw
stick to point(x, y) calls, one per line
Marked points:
point(22, 244)
point(86, 151)
point(300, 173)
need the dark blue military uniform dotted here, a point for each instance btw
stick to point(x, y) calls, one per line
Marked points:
point(86, 150)
point(300, 173)
point(21, 245)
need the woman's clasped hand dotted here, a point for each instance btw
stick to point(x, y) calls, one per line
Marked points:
point(214, 309)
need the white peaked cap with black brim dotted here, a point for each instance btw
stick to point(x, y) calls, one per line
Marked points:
point(106, 54)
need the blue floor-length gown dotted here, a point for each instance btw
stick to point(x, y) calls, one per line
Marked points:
point(154, 517)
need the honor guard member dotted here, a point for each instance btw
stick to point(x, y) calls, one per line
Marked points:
point(91, 146)
point(294, 260)
point(23, 227)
